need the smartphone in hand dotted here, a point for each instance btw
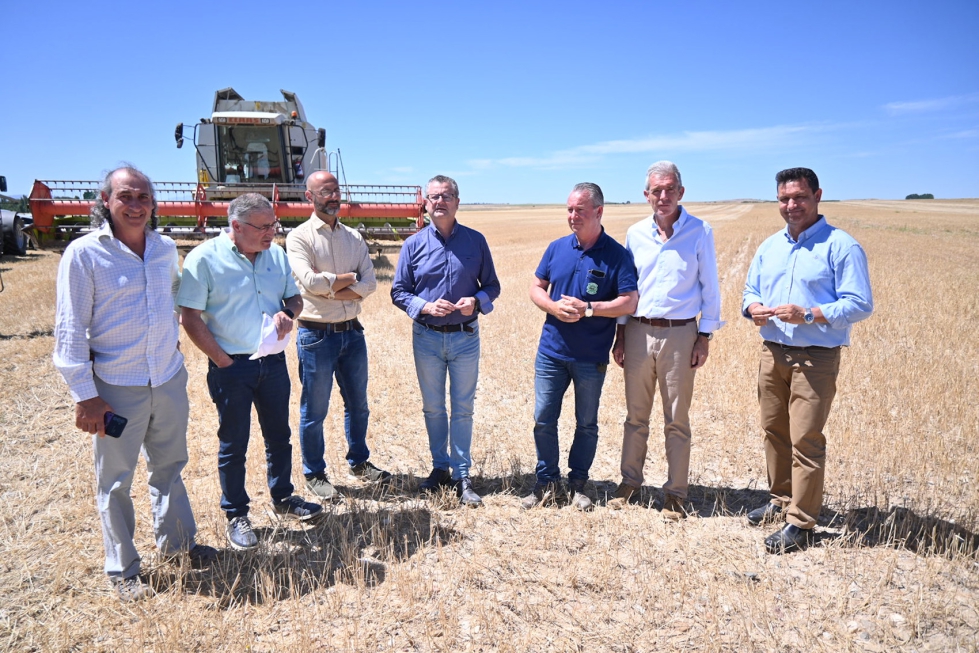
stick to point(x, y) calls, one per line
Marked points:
point(114, 424)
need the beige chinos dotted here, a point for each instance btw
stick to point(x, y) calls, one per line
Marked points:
point(796, 387)
point(658, 354)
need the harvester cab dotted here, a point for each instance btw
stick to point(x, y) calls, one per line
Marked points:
point(255, 142)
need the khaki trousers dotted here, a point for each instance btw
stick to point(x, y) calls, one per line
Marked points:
point(796, 388)
point(658, 354)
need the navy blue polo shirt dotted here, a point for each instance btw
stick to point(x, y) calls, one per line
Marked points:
point(599, 274)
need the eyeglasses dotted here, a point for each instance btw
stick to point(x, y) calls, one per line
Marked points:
point(435, 197)
point(328, 193)
point(272, 226)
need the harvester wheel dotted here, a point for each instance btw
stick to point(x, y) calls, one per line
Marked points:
point(15, 242)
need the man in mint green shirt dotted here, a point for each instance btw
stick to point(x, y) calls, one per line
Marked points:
point(229, 284)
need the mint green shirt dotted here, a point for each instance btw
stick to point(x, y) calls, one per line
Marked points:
point(234, 294)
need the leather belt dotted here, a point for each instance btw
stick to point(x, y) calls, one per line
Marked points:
point(795, 347)
point(332, 327)
point(449, 328)
point(663, 322)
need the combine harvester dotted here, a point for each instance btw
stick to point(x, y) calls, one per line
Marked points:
point(245, 146)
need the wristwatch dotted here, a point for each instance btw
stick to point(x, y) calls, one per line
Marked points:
point(709, 336)
point(292, 316)
point(809, 317)
point(589, 311)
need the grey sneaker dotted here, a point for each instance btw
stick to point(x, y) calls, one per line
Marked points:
point(366, 471)
point(132, 589)
point(241, 537)
point(297, 508)
point(439, 478)
point(543, 492)
point(464, 488)
point(579, 499)
point(320, 485)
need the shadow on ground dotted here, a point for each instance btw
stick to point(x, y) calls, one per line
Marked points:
point(352, 547)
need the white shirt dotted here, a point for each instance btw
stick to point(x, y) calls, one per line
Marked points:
point(115, 314)
point(677, 278)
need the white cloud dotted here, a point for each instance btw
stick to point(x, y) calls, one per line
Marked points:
point(925, 106)
point(695, 141)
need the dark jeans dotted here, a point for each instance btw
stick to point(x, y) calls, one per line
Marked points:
point(264, 382)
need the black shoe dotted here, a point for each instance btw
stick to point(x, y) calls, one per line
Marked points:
point(296, 507)
point(439, 478)
point(789, 538)
point(768, 512)
point(320, 485)
point(464, 488)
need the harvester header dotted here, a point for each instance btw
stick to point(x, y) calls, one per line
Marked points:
point(246, 146)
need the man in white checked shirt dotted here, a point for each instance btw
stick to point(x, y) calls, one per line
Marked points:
point(116, 345)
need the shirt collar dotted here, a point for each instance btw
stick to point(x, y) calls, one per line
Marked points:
point(808, 233)
point(598, 243)
point(435, 231)
point(104, 233)
point(319, 223)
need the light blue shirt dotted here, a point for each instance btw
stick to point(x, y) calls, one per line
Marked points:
point(678, 277)
point(234, 294)
point(825, 267)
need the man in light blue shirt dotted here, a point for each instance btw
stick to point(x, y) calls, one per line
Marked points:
point(228, 285)
point(807, 285)
point(663, 341)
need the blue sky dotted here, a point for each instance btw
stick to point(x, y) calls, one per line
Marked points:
point(517, 100)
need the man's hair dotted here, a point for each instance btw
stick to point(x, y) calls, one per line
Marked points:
point(442, 179)
point(664, 168)
point(795, 174)
point(246, 204)
point(100, 212)
point(594, 191)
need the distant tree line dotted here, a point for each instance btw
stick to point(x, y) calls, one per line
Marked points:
point(20, 206)
point(922, 196)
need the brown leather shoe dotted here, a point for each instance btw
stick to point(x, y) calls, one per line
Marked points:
point(673, 509)
point(622, 495)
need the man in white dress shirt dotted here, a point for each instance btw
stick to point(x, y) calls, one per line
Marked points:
point(115, 343)
point(663, 341)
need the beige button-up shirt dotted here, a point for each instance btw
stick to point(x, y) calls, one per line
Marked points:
point(317, 255)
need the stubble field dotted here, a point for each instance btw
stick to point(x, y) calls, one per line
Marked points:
point(895, 567)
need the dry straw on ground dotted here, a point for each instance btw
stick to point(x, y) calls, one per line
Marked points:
point(895, 568)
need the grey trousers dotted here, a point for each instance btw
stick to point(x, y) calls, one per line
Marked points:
point(157, 427)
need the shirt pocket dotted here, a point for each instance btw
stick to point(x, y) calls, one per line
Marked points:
point(596, 285)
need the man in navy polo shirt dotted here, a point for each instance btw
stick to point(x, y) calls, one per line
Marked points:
point(584, 281)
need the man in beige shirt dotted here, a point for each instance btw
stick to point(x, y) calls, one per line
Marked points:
point(333, 270)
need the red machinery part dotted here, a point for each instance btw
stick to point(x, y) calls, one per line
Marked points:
point(50, 200)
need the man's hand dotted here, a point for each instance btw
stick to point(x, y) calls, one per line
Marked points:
point(700, 352)
point(466, 305)
point(90, 415)
point(790, 313)
point(439, 308)
point(618, 351)
point(760, 313)
point(568, 309)
point(283, 324)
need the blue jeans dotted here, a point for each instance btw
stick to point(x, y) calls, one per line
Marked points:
point(321, 355)
point(552, 376)
point(264, 382)
point(458, 354)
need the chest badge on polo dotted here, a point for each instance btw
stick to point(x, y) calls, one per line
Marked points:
point(591, 288)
